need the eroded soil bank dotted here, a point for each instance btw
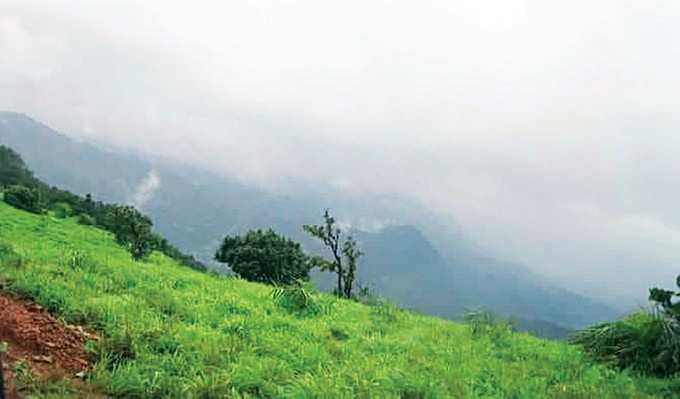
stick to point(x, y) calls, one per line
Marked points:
point(40, 343)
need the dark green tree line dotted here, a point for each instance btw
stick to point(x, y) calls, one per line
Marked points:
point(23, 190)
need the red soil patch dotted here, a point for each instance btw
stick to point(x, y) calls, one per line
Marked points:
point(51, 347)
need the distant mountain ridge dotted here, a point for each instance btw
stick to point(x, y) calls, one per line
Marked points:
point(195, 208)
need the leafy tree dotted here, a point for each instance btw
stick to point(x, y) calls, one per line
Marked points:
point(265, 256)
point(132, 230)
point(61, 210)
point(24, 198)
point(340, 249)
point(88, 203)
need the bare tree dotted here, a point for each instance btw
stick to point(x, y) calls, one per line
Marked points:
point(331, 236)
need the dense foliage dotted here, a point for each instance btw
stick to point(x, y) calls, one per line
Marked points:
point(264, 256)
point(61, 210)
point(170, 332)
point(647, 342)
point(24, 198)
point(13, 171)
point(331, 236)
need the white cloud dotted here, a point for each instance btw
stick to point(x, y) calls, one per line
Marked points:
point(146, 189)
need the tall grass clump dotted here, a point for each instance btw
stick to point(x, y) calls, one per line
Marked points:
point(73, 258)
point(9, 257)
point(486, 323)
point(647, 342)
point(298, 297)
point(61, 210)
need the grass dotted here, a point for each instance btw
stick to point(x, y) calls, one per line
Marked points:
point(646, 341)
point(170, 331)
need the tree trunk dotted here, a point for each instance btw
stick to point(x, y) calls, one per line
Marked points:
point(339, 270)
point(348, 289)
point(339, 285)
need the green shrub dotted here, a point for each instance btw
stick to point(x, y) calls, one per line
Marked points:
point(86, 220)
point(296, 297)
point(116, 349)
point(9, 257)
point(486, 323)
point(61, 210)
point(24, 198)
point(339, 334)
point(24, 378)
point(74, 259)
point(386, 312)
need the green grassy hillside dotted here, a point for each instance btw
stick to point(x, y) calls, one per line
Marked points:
point(174, 332)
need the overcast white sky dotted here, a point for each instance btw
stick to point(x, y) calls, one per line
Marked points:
point(549, 130)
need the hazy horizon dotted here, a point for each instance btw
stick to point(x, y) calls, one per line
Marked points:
point(547, 131)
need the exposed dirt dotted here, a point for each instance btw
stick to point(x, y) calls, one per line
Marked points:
point(50, 347)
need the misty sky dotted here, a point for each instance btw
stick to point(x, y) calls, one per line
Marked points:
point(548, 130)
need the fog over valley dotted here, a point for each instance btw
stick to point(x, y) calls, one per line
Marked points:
point(543, 134)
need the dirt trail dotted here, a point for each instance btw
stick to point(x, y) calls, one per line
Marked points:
point(52, 348)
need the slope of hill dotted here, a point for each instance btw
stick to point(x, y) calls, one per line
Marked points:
point(170, 331)
point(194, 209)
